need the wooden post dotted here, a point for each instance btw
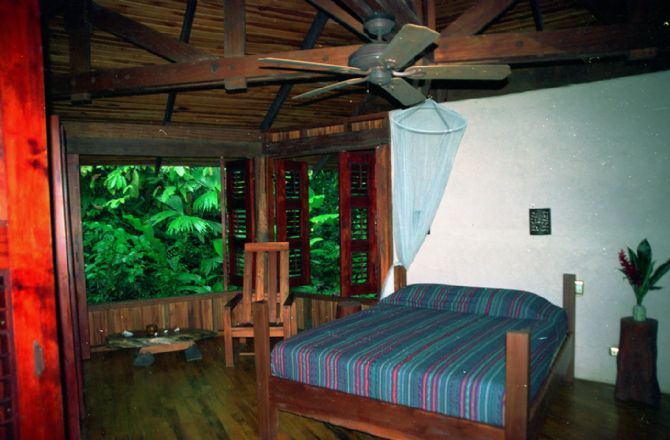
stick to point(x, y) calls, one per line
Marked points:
point(267, 413)
point(26, 250)
point(399, 277)
point(569, 297)
point(517, 383)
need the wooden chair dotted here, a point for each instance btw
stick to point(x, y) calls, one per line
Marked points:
point(270, 283)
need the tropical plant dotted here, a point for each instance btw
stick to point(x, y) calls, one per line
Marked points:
point(150, 233)
point(638, 270)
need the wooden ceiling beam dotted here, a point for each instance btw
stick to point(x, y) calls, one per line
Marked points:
point(578, 43)
point(176, 140)
point(341, 16)
point(583, 43)
point(477, 17)
point(335, 142)
point(165, 46)
point(235, 38)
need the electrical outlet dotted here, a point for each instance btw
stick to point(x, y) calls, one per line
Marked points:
point(614, 351)
point(579, 287)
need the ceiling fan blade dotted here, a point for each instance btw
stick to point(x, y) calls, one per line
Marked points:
point(308, 65)
point(458, 72)
point(404, 92)
point(329, 87)
point(407, 44)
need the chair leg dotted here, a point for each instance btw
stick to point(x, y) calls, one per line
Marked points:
point(228, 338)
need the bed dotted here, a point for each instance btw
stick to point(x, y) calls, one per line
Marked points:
point(430, 361)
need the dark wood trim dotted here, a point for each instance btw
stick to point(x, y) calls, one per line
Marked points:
point(134, 32)
point(346, 141)
point(235, 38)
point(395, 421)
point(511, 48)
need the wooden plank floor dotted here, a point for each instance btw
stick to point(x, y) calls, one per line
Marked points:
point(175, 399)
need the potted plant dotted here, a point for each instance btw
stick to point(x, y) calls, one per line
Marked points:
point(638, 270)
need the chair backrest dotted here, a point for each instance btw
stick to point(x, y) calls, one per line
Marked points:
point(265, 277)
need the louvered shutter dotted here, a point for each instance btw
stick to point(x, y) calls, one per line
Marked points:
point(358, 241)
point(292, 199)
point(239, 204)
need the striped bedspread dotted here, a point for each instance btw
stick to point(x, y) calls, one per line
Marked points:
point(438, 348)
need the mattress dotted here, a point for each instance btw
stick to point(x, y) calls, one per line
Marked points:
point(434, 347)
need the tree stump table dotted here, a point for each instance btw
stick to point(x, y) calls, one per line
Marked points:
point(162, 341)
point(636, 363)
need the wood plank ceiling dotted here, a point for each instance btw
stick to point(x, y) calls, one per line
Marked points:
point(266, 27)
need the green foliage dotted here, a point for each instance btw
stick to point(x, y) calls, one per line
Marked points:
point(150, 234)
point(638, 269)
point(325, 232)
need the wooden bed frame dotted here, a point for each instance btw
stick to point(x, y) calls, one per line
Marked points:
point(522, 416)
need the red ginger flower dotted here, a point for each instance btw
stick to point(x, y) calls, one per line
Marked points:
point(628, 269)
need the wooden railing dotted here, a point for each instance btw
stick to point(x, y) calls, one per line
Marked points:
point(198, 311)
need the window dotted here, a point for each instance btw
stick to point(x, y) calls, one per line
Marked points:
point(356, 190)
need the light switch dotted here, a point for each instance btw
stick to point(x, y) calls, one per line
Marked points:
point(579, 287)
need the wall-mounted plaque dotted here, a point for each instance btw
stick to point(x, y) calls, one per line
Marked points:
point(540, 221)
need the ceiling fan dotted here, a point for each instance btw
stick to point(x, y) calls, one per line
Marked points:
point(383, 63)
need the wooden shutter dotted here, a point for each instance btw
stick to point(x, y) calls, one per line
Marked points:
point(292, 196)
point(240, 206)
point(358, 240)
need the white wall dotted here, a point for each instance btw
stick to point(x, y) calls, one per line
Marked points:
point(598, 155)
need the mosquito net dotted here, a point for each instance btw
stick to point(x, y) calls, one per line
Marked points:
point(424, 142)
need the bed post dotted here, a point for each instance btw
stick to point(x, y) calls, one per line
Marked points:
point(399, 277)
point(517, 380)
point(569, 297)
point(267, 413)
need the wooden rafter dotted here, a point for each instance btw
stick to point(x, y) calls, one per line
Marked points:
point(575, 44)
point(235, 38)
point(143, 36)
point(320, 20)
point(189, 14)
point(477, 17)
point(341, 16)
